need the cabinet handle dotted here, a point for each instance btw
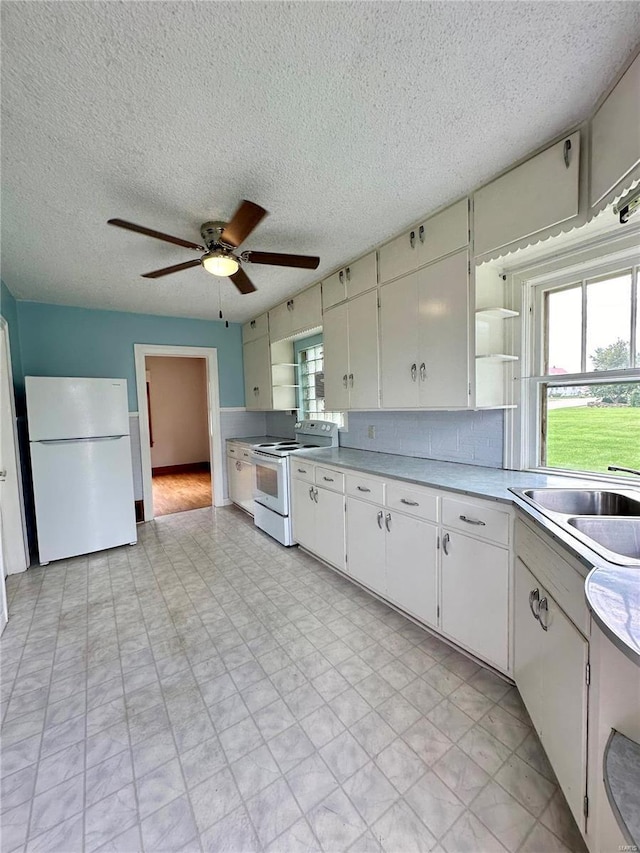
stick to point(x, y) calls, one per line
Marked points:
point(253, 324)
point(412, 239)
point(363, 489)
point(341, 276)
point(348, 273)
point(387, 522)
point(534, 603)
point(238, 466)
point(445, 542)
point(293, 305)
point(315, 495)
point(380, 514)
point(328, 479)
point(409, 503)
point(423, 372)
point(566, 152)
point(344, 380)
point(421, 233)
point(302, 470)
point(351, 379)
point(414, 372)
point(543, 607)
point(473, 521)
point(310, 493)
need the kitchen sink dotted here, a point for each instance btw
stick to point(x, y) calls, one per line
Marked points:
point(618, 535)
point(584, 501)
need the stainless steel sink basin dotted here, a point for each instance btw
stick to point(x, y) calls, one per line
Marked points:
point(617, 535)
point(584, 501)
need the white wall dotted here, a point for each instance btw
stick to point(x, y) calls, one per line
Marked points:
point(178, 410)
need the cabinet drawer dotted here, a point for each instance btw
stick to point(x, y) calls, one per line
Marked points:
point(301, 470)
point(245, 452)
point(233, 450)
point(365, 488)
point(255, 329)
point(330, 479)
point(412, 500)
point(562, 581)
point(476, 519)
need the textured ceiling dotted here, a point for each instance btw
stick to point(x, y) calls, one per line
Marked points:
point(347, 121)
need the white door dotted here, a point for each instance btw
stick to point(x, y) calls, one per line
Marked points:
point(75, 407)
point(336, 358)
point(444, 332)
point(16, 557)
point(303, 514)
point(399, 323)
point(83, 493)
point(475, 596)
point(329, 531)
point(363, 351)
point(366, 544)
point(411, 565)
point(528, 651)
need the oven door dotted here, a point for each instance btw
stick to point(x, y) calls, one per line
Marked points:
point(272, 487)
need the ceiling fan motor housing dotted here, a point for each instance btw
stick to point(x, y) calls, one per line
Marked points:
point(211, 233)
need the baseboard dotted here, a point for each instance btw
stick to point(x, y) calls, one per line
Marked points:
point(189, 468)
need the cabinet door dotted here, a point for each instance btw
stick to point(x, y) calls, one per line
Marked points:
point(363, 352)
point(280, 322)
point(306, 313)
point(366, 544)
point(399, 256)
point(336, 358)
point(563, 729)
point(258, 328)
point(232, 478)
point(399, 343)
point(528, 647)
point(411, 565)
point(245, 485)
point(334, 289)
point(257, 374)
point(615, 135)
point(361, 275)
point(535, 195)
point(303, 513)
point(475, 596)
point(444, 233)
point(330, 527)
point(444, 332)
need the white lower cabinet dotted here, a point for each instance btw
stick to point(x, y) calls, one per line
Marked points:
point(475, 596)
point(365, 544)
point(318, 521)
point(551, 658)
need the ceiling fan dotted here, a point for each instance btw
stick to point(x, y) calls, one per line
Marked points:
point(221, 239)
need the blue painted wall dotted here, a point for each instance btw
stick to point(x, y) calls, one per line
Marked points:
point(59, 341)
point(9, 310)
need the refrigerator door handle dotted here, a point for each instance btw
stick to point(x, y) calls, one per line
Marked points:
point(77, 440)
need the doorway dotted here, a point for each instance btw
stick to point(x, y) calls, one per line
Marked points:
point(179, 416)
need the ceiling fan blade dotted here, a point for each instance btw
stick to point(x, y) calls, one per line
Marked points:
point(140, 229)
point(242, 281)
point(307, 262)
point(242, 223)
point(168, 270)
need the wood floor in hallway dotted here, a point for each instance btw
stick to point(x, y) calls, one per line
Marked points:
point(181, 492)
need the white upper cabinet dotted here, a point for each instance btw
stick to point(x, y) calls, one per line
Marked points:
point(255, 329)
point(301, 313)
point(335, 337)
point(438, 236)
point(615, 135)
point(350, 333)
point(257, 374)
point(424, 319)
point(538, 194)
point(350, 281)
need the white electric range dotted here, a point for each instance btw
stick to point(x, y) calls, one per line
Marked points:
point(272, 494)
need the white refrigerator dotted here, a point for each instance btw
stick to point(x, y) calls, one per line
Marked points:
point(81, 465)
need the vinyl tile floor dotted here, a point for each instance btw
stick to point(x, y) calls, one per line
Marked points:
point(209, 690)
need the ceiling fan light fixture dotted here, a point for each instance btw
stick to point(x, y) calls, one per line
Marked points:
point(220, 263)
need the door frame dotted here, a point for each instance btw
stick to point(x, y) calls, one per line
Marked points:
point(4, 326)
point(210, 355)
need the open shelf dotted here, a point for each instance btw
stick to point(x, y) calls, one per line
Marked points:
point(497, 356)
point(496, 313)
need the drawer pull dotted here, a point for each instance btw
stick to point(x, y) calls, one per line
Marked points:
point(302, 470)
point(543, 608)
point(380, 515)
point(534, 603)
point(328, 479)
point(409, 503)
point(473, 521)
point(363, 489)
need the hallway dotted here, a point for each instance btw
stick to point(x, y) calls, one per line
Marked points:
point(181, 492)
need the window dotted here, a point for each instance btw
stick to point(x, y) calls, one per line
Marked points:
point(586, 396)
point(311, 367)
